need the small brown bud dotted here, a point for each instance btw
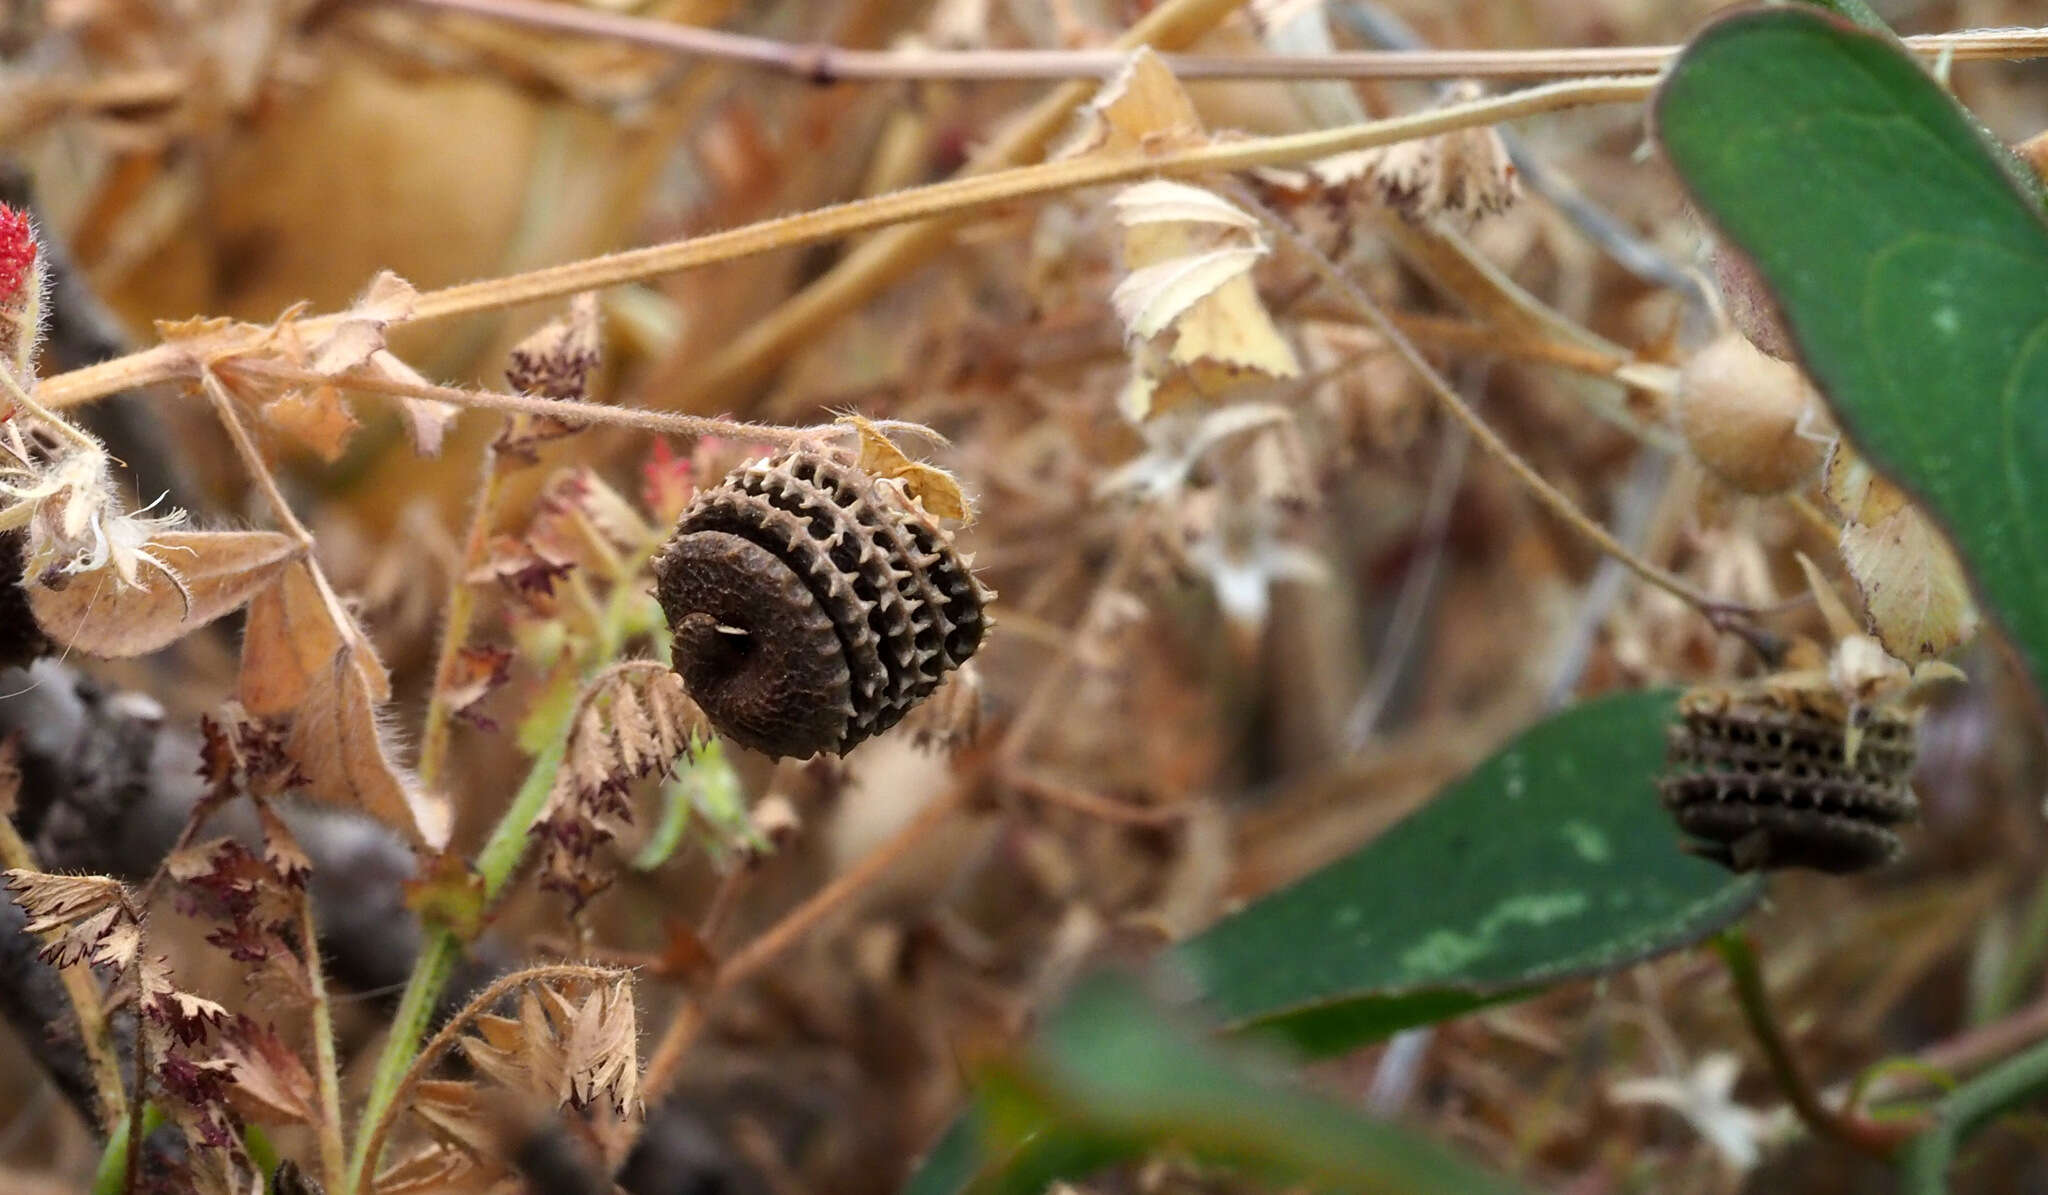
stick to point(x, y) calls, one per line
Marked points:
point(1740, 412)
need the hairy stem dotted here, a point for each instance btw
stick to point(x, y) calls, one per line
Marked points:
point(184, 358)
point(434, 727)
point(326, 1065)
point(824, 64)
point(566, 410)
point(496, 863)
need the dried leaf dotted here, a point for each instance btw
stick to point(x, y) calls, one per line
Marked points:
point(602, 1051)
point(1916, 597)
point(1143, 108)
point(426, 419)
point(317, 417)
point(1187, 301)
point(1151, 298)
point(556, 359)
point(269, 1083)
point(84, 917)
point(934, 488)
point(290, 640)
point(480, 669)
point(281, 849)
point(1914, 591)
point(95, 612)
point(1163, 201)
point(336, 738)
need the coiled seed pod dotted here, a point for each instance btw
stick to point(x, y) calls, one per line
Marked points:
point(1763, 781)
point(813, 606)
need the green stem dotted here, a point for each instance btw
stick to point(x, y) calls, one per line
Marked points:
point(500, 855)
point(327, 1066)
point(1923, 1165)
point(111, 1176)
point(1737, 952)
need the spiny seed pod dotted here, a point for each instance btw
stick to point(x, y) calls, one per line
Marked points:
point(813, 606)
point(1762, 780)
point(1740, 411)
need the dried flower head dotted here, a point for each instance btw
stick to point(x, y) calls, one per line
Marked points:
point(1461, 176)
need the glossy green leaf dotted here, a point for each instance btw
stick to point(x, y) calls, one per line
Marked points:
point(1554, 859)
point(1910, 262)
point(1113, 1075)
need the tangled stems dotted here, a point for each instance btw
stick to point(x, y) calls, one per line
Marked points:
point(1924, 1162)
point(495, 865)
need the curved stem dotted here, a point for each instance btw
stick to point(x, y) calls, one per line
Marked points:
point(1864, 1136)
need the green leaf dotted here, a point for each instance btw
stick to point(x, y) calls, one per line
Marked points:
point(1553, 860)
point(1114, 1075)
point(1855, 10)
point(1910, 261)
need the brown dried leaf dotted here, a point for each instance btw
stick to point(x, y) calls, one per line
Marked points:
point(437, 1169)
point(602, 1059)
point(426, 419)
point(1187, 300)
point(556, 359)
point(460, 1114)
point(270, 1083)
point(290, 640)
point(479, 671)
point(317, 417)
point(281, 850)
point(98, 614)
point(336, 739)
point(55, 901)
point(1916, 597)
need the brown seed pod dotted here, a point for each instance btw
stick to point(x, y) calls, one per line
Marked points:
point(812, 605)
point(1761, 779)
point(1740, 410)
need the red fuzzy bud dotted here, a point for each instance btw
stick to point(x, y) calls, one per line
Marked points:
point(17, 251)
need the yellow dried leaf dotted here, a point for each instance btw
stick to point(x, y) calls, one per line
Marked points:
point(336, 739)
point(99, 614)
point(1188, 300)
point(1144, 108)
point(936, 489)
point(1163, 201)
point(1914, 590)
point(1151, 298)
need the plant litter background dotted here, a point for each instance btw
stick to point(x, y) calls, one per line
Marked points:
point(1323, 477)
